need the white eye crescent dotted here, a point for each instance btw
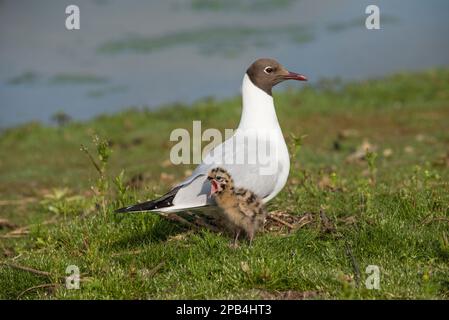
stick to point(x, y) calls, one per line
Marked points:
point(268, 70)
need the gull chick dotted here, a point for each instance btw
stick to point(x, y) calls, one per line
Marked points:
point(243, 210)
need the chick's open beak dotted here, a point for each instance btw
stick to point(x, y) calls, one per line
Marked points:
point(214, 186)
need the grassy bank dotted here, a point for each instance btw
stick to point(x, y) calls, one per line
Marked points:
point(349, 208)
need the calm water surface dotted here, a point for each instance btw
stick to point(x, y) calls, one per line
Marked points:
point(149, 53)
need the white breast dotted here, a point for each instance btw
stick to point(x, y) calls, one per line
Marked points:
point(259, 114)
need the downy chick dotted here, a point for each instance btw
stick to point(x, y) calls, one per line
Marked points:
point(243, 209)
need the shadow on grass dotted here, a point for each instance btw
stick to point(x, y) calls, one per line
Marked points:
point(159, 231)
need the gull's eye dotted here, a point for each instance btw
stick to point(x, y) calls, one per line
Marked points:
point(268, 70)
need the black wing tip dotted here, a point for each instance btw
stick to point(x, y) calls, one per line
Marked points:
point(136, 208)
point(163, 202)
point(123, 210)
point(145, 206)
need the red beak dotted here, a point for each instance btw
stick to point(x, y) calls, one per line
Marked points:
point(295, 76)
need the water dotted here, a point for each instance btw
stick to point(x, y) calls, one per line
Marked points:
point(136, 53)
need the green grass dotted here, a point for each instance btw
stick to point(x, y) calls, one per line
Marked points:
point(391, 211)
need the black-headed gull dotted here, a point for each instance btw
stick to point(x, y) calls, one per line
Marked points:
point(256, 156)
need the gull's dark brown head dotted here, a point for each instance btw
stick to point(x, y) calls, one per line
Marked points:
point(266, 73)
point(220, 180)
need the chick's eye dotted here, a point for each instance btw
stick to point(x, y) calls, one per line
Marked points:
point(268, 70)
point(219, 178)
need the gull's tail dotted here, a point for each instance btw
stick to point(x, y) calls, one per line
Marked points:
point(165, 201)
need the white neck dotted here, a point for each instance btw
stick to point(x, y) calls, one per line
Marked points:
point(258, 107)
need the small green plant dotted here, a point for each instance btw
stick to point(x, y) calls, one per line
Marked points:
point(444, 245)
point(103, 153)
point(121, 187)
point(295, 145)
point(366, 196)
point(371, 158)
point(59, 201)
